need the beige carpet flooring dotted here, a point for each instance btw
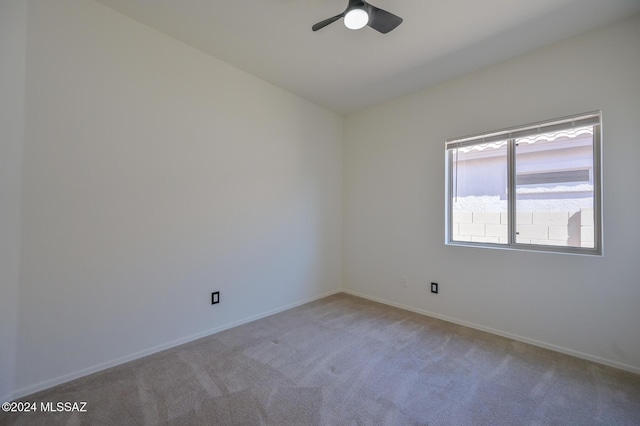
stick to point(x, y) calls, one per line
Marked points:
point(343, 360)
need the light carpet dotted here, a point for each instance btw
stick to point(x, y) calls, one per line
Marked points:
point(344, 360)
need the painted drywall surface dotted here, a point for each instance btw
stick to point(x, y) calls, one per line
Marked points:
point(13, 41)
point(395, 191)
point(155, 174)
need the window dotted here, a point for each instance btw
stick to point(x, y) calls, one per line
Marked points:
point(533, 187)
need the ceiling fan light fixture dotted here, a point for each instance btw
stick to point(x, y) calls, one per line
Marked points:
point(356, 19)
point(360, 13)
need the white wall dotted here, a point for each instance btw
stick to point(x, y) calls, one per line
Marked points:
point(394, 201)
point(155, 174)
point(13, 39)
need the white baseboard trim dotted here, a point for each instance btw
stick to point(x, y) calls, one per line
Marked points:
point(534, 342)
point(28, 390)
point(6, 398)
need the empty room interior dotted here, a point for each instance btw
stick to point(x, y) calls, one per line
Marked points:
point(220, 213)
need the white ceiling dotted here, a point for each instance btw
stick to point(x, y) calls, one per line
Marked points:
point(347, 70)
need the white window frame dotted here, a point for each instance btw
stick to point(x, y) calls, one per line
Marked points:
point(579, 120)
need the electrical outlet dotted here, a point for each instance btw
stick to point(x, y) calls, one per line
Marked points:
point(434, 288)
point(215, 297)
point(404, 282)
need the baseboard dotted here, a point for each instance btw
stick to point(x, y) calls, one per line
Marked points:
point(118, 361)
point(534, 342)
point(127, 358)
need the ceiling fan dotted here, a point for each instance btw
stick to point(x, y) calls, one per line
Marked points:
point(360, 13)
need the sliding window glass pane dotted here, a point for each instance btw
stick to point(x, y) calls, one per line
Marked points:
point(555, 189)
point(478, 196)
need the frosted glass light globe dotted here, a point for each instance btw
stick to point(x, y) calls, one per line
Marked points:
point(356, 19)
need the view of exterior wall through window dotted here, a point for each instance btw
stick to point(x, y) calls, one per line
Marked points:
point(533, 187)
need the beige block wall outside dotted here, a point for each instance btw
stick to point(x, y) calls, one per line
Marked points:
point(544, 228)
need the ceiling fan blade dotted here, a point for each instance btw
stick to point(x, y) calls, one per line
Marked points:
point(381, 20)
point(326, 22)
